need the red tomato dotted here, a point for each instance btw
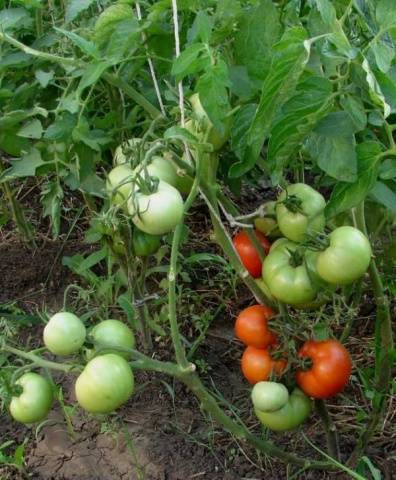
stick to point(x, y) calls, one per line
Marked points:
point(330, 370)
point(248, 254)
point(257, 365)
point(251, 326)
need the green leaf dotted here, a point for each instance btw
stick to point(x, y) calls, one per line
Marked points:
point(212, 89)
point(13, 118)
point(384, 195)
point(180, 133)
point(332, 147)
point(289, 59)
point(14, 19)
point(62, 128)
point(201, 28)
point(186, 63)
point(44, 78)
point(374, 89)
point(92, 260)
point(24, 167)
point(51, 198)
point(353, 105)
point(243, 120)
point(349, 195)
point(125, 39)
point(259, 29)
point(386, 14)
point(75, 7)
point(387, 170)
point(297, 119)
point(89, 48)
point(241, 85)
point(91, 75)
point(32, 129)
point(384, 51)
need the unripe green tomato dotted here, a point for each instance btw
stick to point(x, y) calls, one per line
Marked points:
point(162, 169)
point(306, 217)
point(260, 282)
point(288, 417)
point(105, 384)
point(118, 244)
point(64, 334)
point(159, 212)
point(145, 244)
point(113, 334)
point(269, 396)
point(185, 182)
point(119, 184)
point(268, 224)
point(347, 257)
point(35, 401)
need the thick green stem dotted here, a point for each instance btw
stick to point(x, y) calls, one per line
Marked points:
point(330, 429)
point(38, 361)
point(384, 347)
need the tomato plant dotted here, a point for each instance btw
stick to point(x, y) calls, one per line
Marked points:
point(158, 212)
point(269, 396)
point(113, 333)
point(35, 400)
point(64, 334)
point(346, 258)
point(267, 223)
point(251, 326)
point(285, 274)
point(330, 370)
point(105, 384)
point(300, 212)
point(258, 365)
point(163, 169)
point(248, 253)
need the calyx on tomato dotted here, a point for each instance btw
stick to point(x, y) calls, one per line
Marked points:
point(286, 274)
point(161, 168)
point(35, 400)
point(300, 212)
point(330, 370)
point(346, 258)
point(276, 409)
point(267, 223)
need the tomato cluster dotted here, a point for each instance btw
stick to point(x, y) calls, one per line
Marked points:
point(323, 370)
point(105, 383)
point(303, 264)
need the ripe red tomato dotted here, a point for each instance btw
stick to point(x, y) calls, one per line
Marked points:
point(257, 365)
point(251, 326)
point(247, 252)
point(330, 370)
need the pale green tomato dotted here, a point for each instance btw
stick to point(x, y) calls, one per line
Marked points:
point(185, 182)
point(35, 401)
point(304, 216)
point(263, 287)
point(119, 184)
point(64, 334)
point(268, 224)
point(161, 168)
point(105, 384)
point(269, 396)
point(119, 155)
point(290, 416)
point(113, 333)
point(159, 212)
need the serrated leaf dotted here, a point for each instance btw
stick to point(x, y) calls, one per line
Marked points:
point(243, 120)
point(44, 78)
point(62, 127)
point(51, 198)
point(185, 63)
point(91, 75)
point(13, 118)
point(86, 46)
point(298, 118)
point(125, 39)
point(14, 19)
point(24, 167)
point(349, 195)
point(75, 7)
point(258, 30)
point(290, 57)
point(201, 28)
point(32, 129)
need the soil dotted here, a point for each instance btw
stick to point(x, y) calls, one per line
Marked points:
point(161, 433)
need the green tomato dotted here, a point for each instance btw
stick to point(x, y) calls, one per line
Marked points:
point(119, 184)
point(105, 384)
point(35, 401)
point(300, 212)
point(290, 415)
point(201, 125)
point(113, 333)
point(162, 169)
point(159, 212)
point(268, 223)
point(269, 396)
point(262, 285)
point(64, 334)
point(185, 182)
point(287, 279)
point(120, 156)
point(145, 244)
point(347, 257)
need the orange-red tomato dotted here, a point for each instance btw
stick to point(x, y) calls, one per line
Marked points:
point(257, 365)
point(330, 370)
point(251, 326)
point(247, 252)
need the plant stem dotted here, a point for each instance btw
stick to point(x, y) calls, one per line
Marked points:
point(330, 429)
point(384, 348)
point(40, 362)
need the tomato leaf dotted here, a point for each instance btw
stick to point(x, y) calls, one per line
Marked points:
point(75, 7)
point(384, 195)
